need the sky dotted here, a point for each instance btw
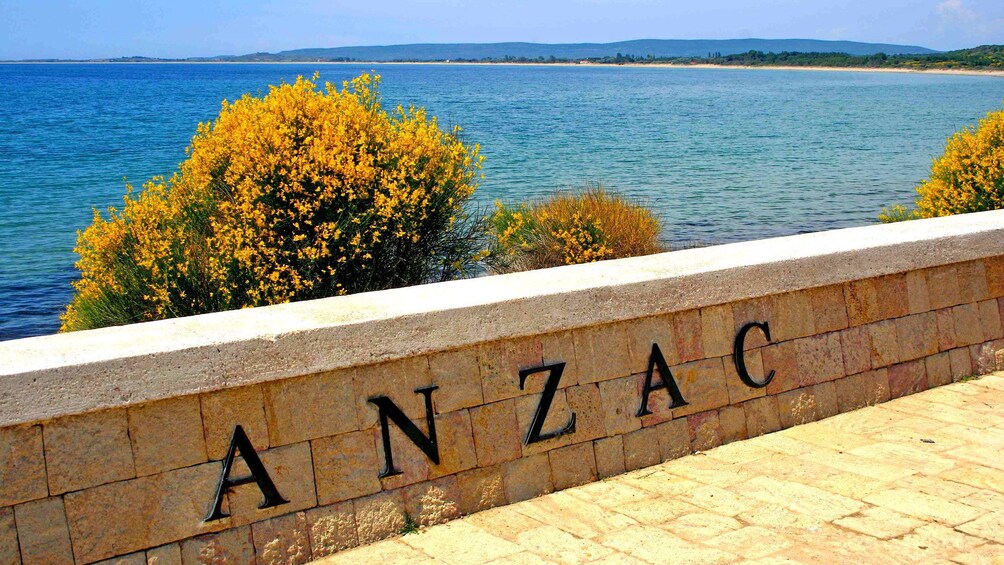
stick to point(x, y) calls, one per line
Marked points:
point(80, 29)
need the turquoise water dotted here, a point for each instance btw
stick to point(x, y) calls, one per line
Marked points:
point(721, 155)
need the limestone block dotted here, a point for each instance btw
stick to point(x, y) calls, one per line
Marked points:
point(642, 449)
point(826, 399)
point(169, 554)
point(291, 471)
point(602, 353)
point(943, 286)
point(754, 310)
point(878, 386)
point(907, 378)
point(145, 512)
point(793, 316)
point(782, 359)
point(456, 444)
point(829, 310)
point(397, 380)
point(716, 327)
point(229, 546)
point(223, 410)
point(705, 430)
point(917, 335)
point(892, 292)
point(332, 529)
point(861, 298)
point(409, 459)
point(973, 285)
point(674, 439)
point(946, 329)
point(990, 320)
point(939, 369)
point(621, 399)
point(797, 406)
point(702, 384)
point(557, 347)
point(609, 453)
point(918, 297)
point(856, 346)
point(587, 403)
point(527, 477)
point(42, 532)
point(282, 541)
point(9, 552)
point(737, 389)
point(641, 334)
point(885, 343)
point(968, 329)
point(732, 420)
point(994, 269)
point(22, 465)
point(379, 516)
point(496, 435)
point(167, 435)
point(345, 466)
point(689, 335)
point(433, 502)
point(852, 392)
point(573, 465)
point(761, 416)
point(961, 363)
point(983, 358)
point(820, 358)
point(87, 450)
point(481, 489)
point(557, 417)
point(458, 375)
point(310, 407)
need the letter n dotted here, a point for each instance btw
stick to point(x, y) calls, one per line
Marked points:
point(389, 412)
point(656, 360)
point(240, 442)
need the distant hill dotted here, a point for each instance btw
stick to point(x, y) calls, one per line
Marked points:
point(640, 48)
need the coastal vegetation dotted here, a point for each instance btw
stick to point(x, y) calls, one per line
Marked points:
point(569, 228)
point(303, 193)
point(968, 177)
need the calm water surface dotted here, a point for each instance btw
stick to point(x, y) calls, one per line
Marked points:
point(720, 155)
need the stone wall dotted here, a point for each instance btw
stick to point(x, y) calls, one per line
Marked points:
point(114, 440)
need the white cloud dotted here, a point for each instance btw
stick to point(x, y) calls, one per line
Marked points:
point(956, 10)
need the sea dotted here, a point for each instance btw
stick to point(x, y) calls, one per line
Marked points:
point(720, 155)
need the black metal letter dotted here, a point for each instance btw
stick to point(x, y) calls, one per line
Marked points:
point(533, 435)
point(240, 442)
point(390, 410)
point(740, 360)
point(668, 382)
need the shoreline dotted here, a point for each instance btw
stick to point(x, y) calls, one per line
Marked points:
point(958, 72)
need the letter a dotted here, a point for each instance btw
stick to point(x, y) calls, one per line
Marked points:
point(668, 382)
point(240, 442)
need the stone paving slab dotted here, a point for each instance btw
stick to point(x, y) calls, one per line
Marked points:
point(908, 481)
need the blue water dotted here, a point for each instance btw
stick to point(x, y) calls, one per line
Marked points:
point(720, 155)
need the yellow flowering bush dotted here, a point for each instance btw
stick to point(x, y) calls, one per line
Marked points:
point(303, 193)
point(969, 177)
point(567, 229)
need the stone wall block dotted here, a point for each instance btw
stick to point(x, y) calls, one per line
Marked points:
point(641, 334)
point(961, 363)
point(968, 329)
point(990, 320)
point(820, 358)
point(885, 343)
point(557, 417)
point(943, 286)
point(946, 329)
point(732, 420)
point(230, 546)
point(527, 477)
point(22, 465)
point(292, 472)
point(43, 533)
point(861, 298)
point(917, 335)
point(601, 353)
point(973, 285)
point(621, 399)
point(994, 269)
point(642, 449)
point(282, 541)
point(496, 435)
point(332, 529)
point(792, 316)
point(167, 435)
point(456, 444)
point(379, 516)
point(396, 380)
point(878, 386)
point(702, 384)
point(674, 439)
point(481, 489)
point(573, 465)
point(458, 375)
point(587, 403)
point(829, 310)
point(983, 358)
point(705, 430)
point(917, 292)
point(893, 296)
point(797, 407)
point(717, 323)
point(87, 450)
point(345, 466)
point(907, 378)
point(169, 554)
point(826, 399)
point(409, 459)
point(738, 390)
point(149, 511)
point(560, 347)
point(331, 401)
point(856, 347)
point(223, 410)
point(852, 392)
point(782, 359)
point(687, 329)
point(433, 502)
point(754, 310)
point(609, 453)
point(939, 369)
point(10, 553)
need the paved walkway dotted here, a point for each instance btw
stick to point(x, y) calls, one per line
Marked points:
point(916, 480)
